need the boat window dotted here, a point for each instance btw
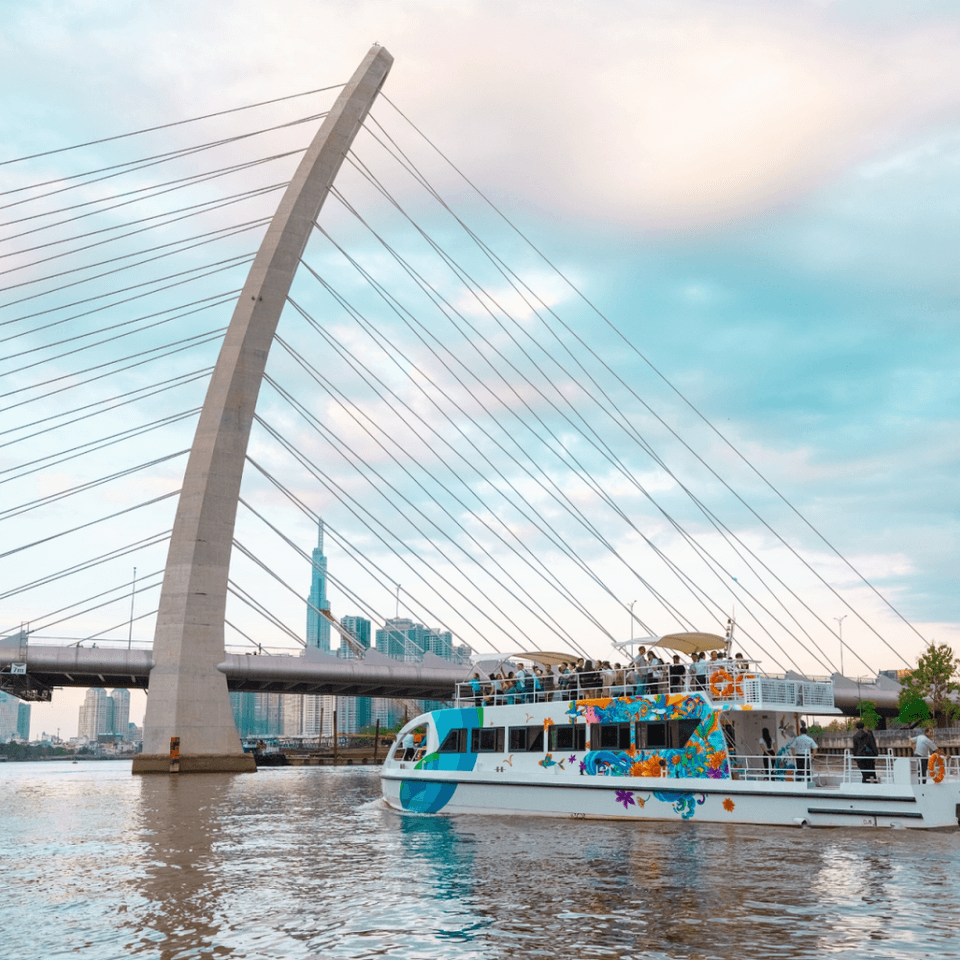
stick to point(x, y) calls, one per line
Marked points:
point(683, 730)
point(610, 736)
point(652, 736)
point(659, 736)
point(486, 739)
point(568, 736)
point(455, 741)
point(526, 739)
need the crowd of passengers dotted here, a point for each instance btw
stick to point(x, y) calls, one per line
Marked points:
point(592, 679)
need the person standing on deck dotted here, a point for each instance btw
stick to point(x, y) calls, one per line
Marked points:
point(923, 746)
point(804, 747)
point(865, 753)
point(640, 663)
point(677, 672)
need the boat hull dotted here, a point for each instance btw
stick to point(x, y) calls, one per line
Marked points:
point(666, 799)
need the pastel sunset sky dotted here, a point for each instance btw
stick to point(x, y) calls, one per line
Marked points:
point(763, 199)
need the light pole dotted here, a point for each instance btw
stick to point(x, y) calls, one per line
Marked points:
point(840, 635)
point(632, 602)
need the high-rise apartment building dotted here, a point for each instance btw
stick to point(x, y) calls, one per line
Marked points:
point(9, 716)
point(121, 711)
point(96, 714)
point(23, 720)
point(359, 627)
point(102, 713)
point(258, 714)
point(403, 639)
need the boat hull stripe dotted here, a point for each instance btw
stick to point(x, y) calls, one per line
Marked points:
point(909, 814)
point(695, 786)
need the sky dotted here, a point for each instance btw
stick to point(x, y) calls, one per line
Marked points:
point(762, 199)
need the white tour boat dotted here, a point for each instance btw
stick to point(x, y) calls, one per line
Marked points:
point(644, 751)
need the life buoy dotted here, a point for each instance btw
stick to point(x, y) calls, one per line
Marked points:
point(936, 768)
point(721, 684)
point(738, 683)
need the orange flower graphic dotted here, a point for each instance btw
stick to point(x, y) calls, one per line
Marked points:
point(650, 767)
point(728, 805)
point(716, 760)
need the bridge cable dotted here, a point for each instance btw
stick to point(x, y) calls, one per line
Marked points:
point(701, 416)
point(166, 126)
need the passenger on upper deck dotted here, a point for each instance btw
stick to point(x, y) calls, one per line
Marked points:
point(537, 684)
point(520, 684)
point(677, 673)
point(640, 664)
point(608, 677)
point(654, 673)
point(702, 671)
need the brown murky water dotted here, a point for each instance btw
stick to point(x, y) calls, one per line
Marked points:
point(304, 863)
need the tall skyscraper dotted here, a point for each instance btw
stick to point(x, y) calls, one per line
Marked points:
point(96, 714)
point(121, 711)
point(23, 721)
point(318, 626)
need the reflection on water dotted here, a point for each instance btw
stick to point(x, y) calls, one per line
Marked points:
point(307, 863)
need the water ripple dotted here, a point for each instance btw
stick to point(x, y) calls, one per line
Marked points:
point(309, 863)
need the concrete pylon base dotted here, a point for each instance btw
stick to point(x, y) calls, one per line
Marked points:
point(197, 763)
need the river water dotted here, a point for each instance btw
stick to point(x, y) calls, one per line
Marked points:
point(308, 863)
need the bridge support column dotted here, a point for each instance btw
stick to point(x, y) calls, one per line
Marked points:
point(188, 696)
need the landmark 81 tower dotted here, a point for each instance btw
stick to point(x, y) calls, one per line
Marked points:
point(318, 626)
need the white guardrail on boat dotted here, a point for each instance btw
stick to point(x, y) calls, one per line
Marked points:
point(724, 684)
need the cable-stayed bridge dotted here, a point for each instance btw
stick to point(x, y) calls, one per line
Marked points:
point(481, 441)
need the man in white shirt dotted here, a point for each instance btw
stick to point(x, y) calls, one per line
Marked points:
point(923, 746)
point(804, 747)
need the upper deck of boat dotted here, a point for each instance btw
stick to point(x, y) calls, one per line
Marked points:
point(729, 684)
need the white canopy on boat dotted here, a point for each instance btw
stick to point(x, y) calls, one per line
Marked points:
point(549, 658)
point(682, 642)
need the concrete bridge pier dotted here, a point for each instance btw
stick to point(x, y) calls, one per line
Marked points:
point(188, 699)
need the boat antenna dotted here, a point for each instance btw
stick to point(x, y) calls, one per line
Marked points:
point(731, 623)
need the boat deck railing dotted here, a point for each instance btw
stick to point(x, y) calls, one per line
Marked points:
point(725, 682)
point(831, 769)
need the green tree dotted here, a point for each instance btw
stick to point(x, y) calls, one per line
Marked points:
point(933, 682)
point(868, 714)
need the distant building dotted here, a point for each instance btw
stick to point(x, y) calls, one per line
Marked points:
point(121, 711)
point(353, 713)
point(103, 714)
point(9, 716)
point(257, 714)
point(96, 714)
point(403, 639)
point(359, 627)
point(23, 721)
